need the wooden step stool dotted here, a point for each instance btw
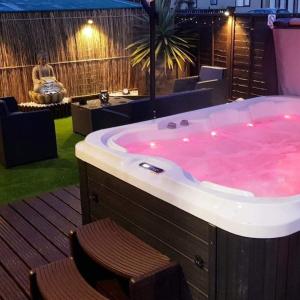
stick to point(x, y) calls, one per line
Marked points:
point(142, 272)
point(61, 280)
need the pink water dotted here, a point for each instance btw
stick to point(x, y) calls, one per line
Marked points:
point(263, 157)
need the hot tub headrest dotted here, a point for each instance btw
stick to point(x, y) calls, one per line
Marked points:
point(287, 23)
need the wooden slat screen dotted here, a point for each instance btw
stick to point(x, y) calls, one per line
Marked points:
point(243, 44)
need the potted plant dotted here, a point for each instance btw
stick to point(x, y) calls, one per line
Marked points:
point(172, 44)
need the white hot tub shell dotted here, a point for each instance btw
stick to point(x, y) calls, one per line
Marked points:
point(229, 243)
point(236, 211)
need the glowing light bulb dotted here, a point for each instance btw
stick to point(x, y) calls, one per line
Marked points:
point(186, 140)
point(287, 116)
point(250, 125)
point(152, 145)
point(213, 133)
point(88, 31)
point(90, 21)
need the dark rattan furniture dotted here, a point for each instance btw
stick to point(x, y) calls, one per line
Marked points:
point(92, 115)
point(25, 137)
point(142, 110)
point(140, 271)
point(58, 110)
point(211, 77)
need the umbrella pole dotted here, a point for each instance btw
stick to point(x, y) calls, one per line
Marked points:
point(150, 9)
point(152, 58)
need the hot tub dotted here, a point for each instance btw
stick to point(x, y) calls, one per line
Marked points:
point(217, 189)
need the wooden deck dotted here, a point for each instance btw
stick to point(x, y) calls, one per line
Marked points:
point(34, 232)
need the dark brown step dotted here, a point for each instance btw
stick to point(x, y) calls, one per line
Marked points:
point(143, 273)
point(61, 281)
point(118, 250)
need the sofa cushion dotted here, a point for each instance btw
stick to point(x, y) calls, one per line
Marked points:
point(185, 84)
point(211, 72)
point(11, 104)
point(3, 109)
point(16, 113)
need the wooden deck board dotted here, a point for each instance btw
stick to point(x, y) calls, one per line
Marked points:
point(43, 225)
point(8, 287)
point(34, 232)
point(50, 214)
point(74, 190)
point(69, 213)
point(69, 198)
point(15, 266)
point(20, 246)
point(32, 235)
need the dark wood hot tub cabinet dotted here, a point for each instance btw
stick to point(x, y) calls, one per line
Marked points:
point(218, 265)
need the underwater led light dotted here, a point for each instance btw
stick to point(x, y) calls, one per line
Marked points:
point(151, 167)
point(145, 165)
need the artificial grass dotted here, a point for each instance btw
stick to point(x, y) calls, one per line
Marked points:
point(31, 179)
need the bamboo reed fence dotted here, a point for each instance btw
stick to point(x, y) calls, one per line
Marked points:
point(85, 57)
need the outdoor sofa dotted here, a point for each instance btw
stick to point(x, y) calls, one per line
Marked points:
point(209, 77)
point(25, 136)
point(142, 109)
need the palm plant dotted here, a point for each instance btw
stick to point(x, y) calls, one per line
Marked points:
point(172, 44)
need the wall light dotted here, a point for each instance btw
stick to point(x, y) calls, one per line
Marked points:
point(229, 11)
point(88, 31)
point(90, 21)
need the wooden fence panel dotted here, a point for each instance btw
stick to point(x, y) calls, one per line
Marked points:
point(220, 54)
point(241, 68)
point(205, 45)
point(243, 44)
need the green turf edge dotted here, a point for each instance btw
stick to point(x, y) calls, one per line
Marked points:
point(32, 179)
